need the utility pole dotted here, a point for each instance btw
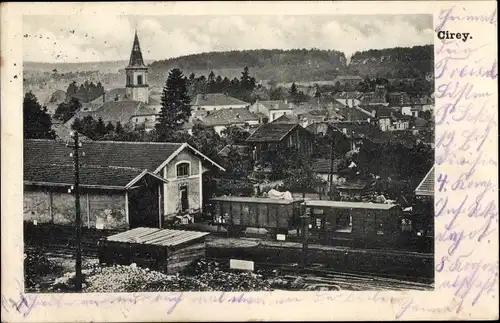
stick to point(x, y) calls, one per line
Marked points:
point(330, 176)
point(305, 235)
point(78, 219)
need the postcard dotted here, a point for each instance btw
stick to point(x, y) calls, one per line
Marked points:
point(249, 161)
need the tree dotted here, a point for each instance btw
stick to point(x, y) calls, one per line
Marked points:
point(206, 140)
point(175, 105)
point(119, 128)
point(71, 90)
point(235, 134)
point(66, 110)
point(100, 128)
point(110, 127)
point(36, 120)
point(293, 91)
point(303, 180)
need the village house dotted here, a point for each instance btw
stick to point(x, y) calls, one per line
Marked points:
point(398, 98)
point(270, 135)
point(123, 184)
point(349, 99)
point(133, 104)
point(222, 119)
point(272, 110)
point(205, 103)
point(379, 96)
point(351, 80)
point(390, 120)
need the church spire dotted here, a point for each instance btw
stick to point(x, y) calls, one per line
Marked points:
point(136, 54)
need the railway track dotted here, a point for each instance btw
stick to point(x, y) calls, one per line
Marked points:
point(357, 281)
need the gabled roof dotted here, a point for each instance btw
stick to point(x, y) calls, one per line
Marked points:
point(216, 99)
point(287, 118)
point(275, 105)
point(152, 156)
point(426, 186)
point(117, 94)
point(113, 111)
point(230, 116)
point(273, 132)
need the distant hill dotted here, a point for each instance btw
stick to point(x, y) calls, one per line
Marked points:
point(102, 67)
point(396, 62)
point(281, 66)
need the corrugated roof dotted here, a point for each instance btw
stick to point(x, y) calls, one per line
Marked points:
point(244, 199)
point(158, 237)
point(272, 132)
point(426, 186)
point(216, 99)
point(230, 116)
point(349, 205)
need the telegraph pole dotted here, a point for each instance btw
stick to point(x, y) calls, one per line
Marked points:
point(330, 177)
point(78, 219)
point(305, 235)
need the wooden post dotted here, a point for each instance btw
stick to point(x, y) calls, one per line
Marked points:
point(305, 236)
point(330, 176)
point(88, 211)
point(78, 218)
point(51, 211)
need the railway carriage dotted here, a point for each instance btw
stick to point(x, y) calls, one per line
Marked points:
point(360, 223)
point(238, 213)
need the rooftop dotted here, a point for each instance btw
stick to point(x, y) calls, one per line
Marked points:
point(244, 199)
point(275, 105)
point(90, 176)
point(272, 132)
point(350, 205)
point(113, 111)
point(230, 116)
point(216, 99)
point(135, 155)
point(426, 186)
point(159, 237)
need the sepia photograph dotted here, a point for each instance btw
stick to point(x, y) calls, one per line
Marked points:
point(232, 153)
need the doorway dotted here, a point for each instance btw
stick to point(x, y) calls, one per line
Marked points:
point(184, 198)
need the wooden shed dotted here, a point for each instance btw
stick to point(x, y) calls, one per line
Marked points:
point(165, 250)
point(257, 212)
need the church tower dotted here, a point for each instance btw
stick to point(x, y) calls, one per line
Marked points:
point(137, 75)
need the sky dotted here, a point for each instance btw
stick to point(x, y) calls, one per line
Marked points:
point(102, 37)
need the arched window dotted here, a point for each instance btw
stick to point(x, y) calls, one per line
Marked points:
point(183, 169)
point(139, 79)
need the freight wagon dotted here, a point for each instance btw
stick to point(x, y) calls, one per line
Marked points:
point(366, 224)
point(277, 216)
